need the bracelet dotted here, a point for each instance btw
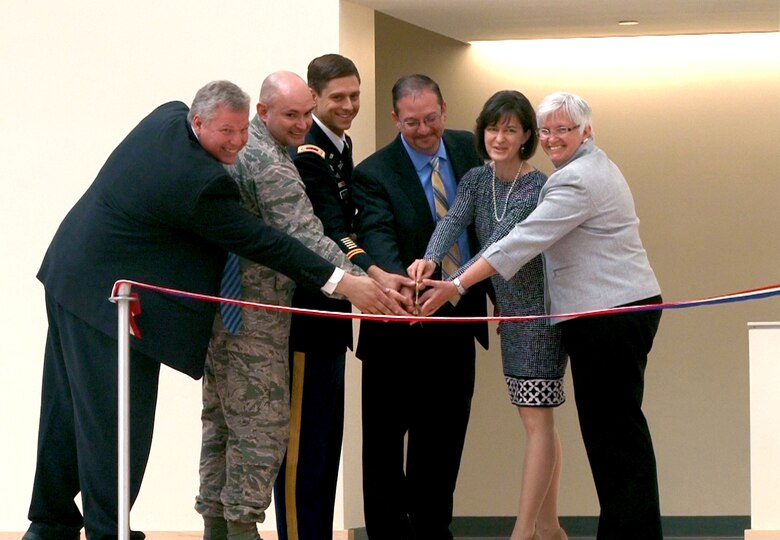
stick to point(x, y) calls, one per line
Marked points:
point(459, 286)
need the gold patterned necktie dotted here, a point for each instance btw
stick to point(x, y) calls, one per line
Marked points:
point(451, 260)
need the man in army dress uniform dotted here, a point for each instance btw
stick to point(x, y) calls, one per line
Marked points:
point(245, 387)
point(305, 490)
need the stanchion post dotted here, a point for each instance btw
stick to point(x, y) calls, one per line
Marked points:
point(122, 299)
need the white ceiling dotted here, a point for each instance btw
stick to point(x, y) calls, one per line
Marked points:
point(474, 20)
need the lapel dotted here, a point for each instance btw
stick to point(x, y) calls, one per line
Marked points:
point(332, 156)
point(455, 156)
point(318, 137)
point(409, 183)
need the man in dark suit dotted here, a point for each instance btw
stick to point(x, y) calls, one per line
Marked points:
point(305, 490)
point(162, 210)
point(418, 379)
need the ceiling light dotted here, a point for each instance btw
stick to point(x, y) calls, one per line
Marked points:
point(629, 22)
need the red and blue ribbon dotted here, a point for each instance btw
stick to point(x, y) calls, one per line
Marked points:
point(740, 296)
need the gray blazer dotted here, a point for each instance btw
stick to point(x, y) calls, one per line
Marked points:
point(586, 226)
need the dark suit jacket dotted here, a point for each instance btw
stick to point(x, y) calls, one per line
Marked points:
point(327, 175)
point(394, 226)
point(163, 211)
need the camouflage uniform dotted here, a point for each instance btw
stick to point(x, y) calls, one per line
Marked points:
point(246, 396)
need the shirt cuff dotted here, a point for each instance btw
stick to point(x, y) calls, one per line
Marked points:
point(502, 262)
point(333, 281)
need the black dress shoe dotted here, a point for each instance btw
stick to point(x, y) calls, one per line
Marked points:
point(55, 535)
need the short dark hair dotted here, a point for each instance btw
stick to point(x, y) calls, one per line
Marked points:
point(414, 84)
point(327, 67)
point(503, 103)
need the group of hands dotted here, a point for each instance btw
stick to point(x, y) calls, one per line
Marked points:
point(384, 293)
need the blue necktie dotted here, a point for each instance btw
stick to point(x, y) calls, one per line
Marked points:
point(231, 288)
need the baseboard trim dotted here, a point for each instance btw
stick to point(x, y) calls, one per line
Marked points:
point(677, 526)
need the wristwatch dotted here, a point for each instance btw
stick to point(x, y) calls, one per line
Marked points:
point(461, 288)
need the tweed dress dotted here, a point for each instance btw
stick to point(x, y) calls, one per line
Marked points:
point(533, 357)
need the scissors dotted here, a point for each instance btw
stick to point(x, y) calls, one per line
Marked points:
point(416, 297)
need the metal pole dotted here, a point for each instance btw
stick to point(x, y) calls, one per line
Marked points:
point(123, 299)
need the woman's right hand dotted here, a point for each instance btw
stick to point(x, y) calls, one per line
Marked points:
point(421, 269)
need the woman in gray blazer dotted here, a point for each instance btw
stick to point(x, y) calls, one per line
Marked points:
point(586, 227)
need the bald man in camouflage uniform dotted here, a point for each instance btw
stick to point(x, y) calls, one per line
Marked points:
point(246, 396)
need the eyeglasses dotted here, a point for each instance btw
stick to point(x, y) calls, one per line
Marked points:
point(414, 123)
point(560, 131)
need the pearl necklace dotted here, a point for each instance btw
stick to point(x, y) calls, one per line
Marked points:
point(508, 193)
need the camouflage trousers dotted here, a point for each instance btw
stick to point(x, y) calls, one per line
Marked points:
point(246, 421)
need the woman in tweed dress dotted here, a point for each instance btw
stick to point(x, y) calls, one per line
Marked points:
point(495, 197)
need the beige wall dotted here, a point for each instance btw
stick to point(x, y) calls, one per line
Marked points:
point(694, 123)
point(77, 76)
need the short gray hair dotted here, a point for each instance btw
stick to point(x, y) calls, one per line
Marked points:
point(214, 94)
point(576, 108)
